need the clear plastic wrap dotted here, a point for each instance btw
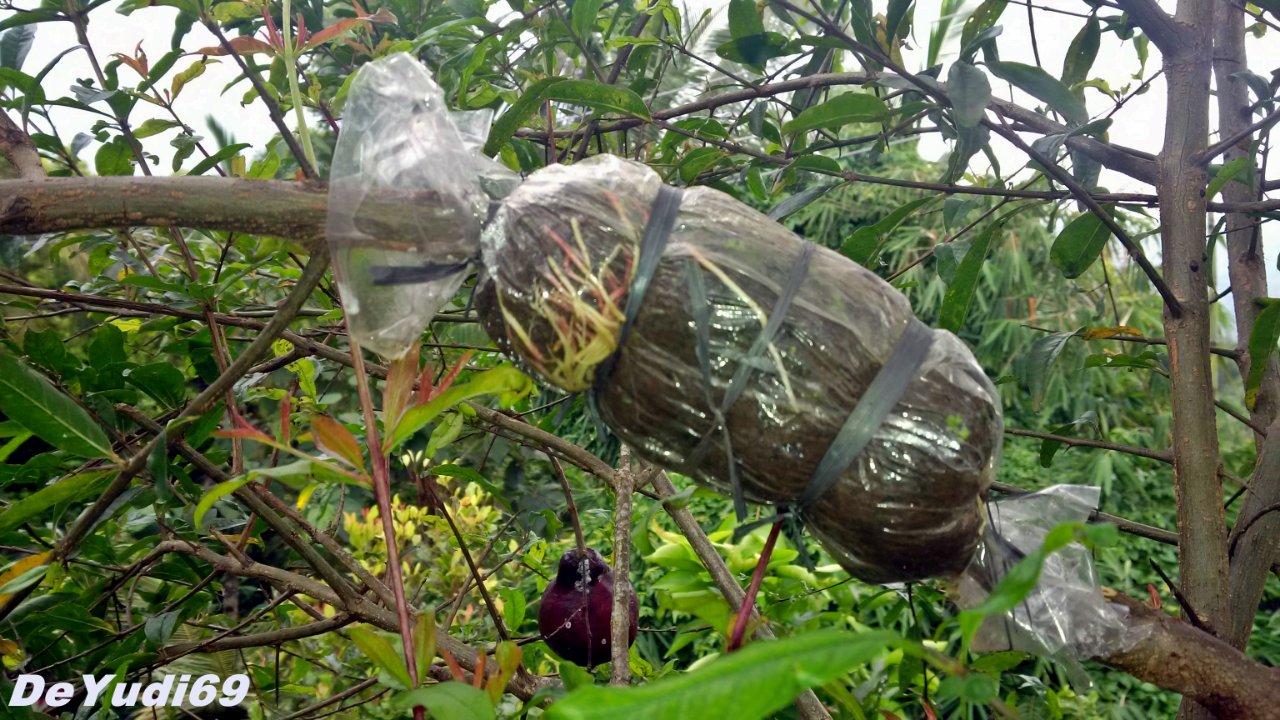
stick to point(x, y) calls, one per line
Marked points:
point(559, 261)
point(406, 202)
point(1065, 615)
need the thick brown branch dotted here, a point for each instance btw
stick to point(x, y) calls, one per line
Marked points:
point(1158, 25)
point(256, 207)
point(1178, 657)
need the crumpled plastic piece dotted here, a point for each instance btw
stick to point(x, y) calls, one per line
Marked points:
point(405, 201)
point(1065, 615)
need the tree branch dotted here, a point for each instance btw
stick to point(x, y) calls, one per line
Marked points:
point(1169, 36)
point(19, 150)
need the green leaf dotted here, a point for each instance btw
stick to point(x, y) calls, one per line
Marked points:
point(1043, 86)
point(861, 246)
point(28, 398)
point(501, 379)
point(380, 653)
point(1082, 52)
point(264, 169)
point(799, 200)
point(584, 16)
point(970, 93)
point(744, 19)
point(63, 491)
point(114, 158)
point(513, 607)
point(1226, 174)
point(504, 128)
point(609, 98)
point(448, 701)
point(840, 110)
point(1262, 343)
point(161, 381)
point(981, 19)
point(955, 304)
point(754, 50)
point(1020, 580)
point(214, 494)
point(223, 154)
point(1080, 244)
point(153, 126)
point(424, 643)
point(757, 681)
point(15, 44)
point(160, 628)
point(1039, 359)
point(821, 163)
point(697, 160)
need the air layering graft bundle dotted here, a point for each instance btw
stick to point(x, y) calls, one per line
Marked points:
point(720, 345)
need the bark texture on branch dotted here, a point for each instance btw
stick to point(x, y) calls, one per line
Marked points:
point(19, 150)
point(1178, 657)
point(257, 207)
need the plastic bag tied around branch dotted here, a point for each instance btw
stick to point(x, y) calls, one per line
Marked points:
point(1065, 615)
point(559, 262)
point(406, 204)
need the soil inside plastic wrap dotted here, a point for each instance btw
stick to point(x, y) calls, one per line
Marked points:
point(560, 258)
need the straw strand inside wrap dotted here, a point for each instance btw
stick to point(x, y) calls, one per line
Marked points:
point(908, 506)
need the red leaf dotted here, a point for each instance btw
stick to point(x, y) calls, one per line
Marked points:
point(243, 45)
point(455, 669)
point(399, 388)
point(333, 31)
point(929, 711)
point(243, 434)
point(336, 440)
point(424, 385)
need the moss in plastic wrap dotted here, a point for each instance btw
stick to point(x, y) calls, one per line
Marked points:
point(559, 260)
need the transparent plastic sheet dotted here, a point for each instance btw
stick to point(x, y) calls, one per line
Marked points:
point(406, 204)
point(559, 259)
point(1065, 615)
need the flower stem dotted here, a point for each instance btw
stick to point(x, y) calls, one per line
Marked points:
point(382, 492)
point(295, 97)
point(749, 602)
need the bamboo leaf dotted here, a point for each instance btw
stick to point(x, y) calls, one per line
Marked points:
point(29, 399)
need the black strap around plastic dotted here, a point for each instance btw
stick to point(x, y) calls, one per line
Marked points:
point(662, 221)
point(414, 274)
point(746, 367)
point(868, 415)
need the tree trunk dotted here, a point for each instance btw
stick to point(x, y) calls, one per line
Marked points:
point(1251, 552)
point(1202, 533)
